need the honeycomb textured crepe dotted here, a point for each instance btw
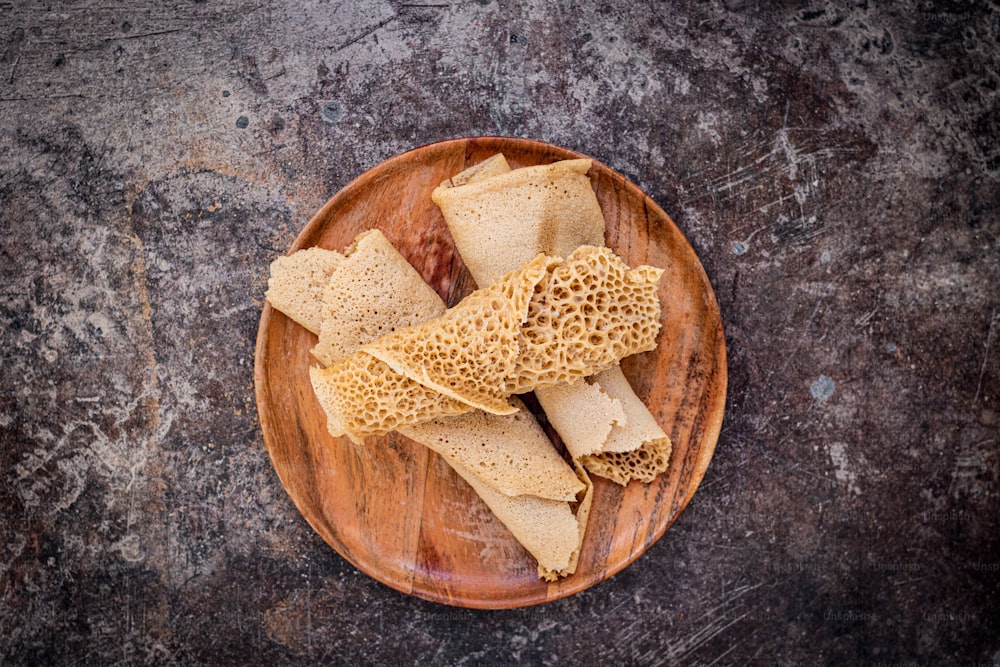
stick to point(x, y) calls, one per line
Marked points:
point(469, 352)
point(295, 285)
point(592, 311)
point(363, 396)
point(507, 460)
point(600, 420)
point(473, 362)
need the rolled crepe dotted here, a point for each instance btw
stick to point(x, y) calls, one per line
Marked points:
point(548, 322)
point(500, 218)
point(507, 460)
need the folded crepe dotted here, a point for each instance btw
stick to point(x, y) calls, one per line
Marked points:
point(501, 218)
point(506, 459)
point(549, 322)
point(296, 283)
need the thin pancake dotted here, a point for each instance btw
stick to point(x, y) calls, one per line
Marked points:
point(501, 221)
point(357, 307)
point(483, 205)
point(585, 314)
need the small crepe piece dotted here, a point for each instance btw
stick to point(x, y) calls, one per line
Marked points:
point(490, 214)
point(470, 359)
point(296, 283)
point(508, 460)
point(482, 204)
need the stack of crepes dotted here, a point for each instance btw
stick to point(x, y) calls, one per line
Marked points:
point(501, 218)
point(352, 300)
point(393, 358)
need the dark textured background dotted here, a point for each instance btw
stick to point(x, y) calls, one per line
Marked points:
point(835, 165)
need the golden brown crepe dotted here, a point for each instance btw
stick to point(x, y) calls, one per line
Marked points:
point(500, 217)
point(548, 322)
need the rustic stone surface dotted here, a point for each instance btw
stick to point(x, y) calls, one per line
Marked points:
point(835, 166)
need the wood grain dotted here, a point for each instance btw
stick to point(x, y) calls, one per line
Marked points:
point(398, 512)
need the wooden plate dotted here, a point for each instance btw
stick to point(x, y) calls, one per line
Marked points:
point(398, 512)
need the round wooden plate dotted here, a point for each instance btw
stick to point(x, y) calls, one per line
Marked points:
point(398, 512)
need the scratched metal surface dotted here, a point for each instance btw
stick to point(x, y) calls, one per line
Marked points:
point(835, 165)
